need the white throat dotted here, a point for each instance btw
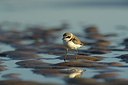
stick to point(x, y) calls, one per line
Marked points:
point(67, 39)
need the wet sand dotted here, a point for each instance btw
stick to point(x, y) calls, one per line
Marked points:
point(33, 54)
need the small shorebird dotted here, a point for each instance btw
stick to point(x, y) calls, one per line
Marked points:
point(71, 42)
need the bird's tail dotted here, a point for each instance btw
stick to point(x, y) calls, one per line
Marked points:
point(86, 43)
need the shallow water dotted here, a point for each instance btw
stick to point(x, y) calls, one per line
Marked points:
point(107, 18)
point(26, 73)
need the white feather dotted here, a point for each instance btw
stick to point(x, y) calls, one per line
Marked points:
point(73, 46)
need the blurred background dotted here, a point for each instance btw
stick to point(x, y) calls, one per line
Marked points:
point(106, 14)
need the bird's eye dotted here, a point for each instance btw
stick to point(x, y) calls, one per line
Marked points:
point(68, 36)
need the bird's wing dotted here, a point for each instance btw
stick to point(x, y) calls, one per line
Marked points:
point(76, 40)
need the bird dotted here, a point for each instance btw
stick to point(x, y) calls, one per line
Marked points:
point(71, 42)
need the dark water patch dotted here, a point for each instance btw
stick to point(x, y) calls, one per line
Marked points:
point(123, 58)
point(17, 82)
point(19, 55)
point(40, 33)
point(82, 64)
point(56, 53)
point(11, 37)
point(99, 48)
point(118, 82)
point(28, 49)
point(2, 68)
point(108, 70)
point(32, 64)
point(48, 72)
point(125, 43)
point(117, 64)
point(1, 61)
point(12, 76)
point(77, 57)
point(53, 50)
point(116, 49)
point(82, 81)
point(91, 30)
point(31, 36)
point(95, 51)
point(91, 81)
point(112, 64)
point(18, 45)
point(41, 44)
point(95, 36)
point(107, 76)
point(38, 64)
point(111, 35)
point(93, 33)
point(125, 66)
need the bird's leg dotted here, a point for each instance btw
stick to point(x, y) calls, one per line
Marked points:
point(76, 53)
point(66, 54)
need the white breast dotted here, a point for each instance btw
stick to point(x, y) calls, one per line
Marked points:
point(72, 45)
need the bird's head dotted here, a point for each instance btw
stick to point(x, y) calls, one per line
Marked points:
point(67, 36)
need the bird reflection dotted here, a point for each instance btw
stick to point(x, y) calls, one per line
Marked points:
point(75, 72)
